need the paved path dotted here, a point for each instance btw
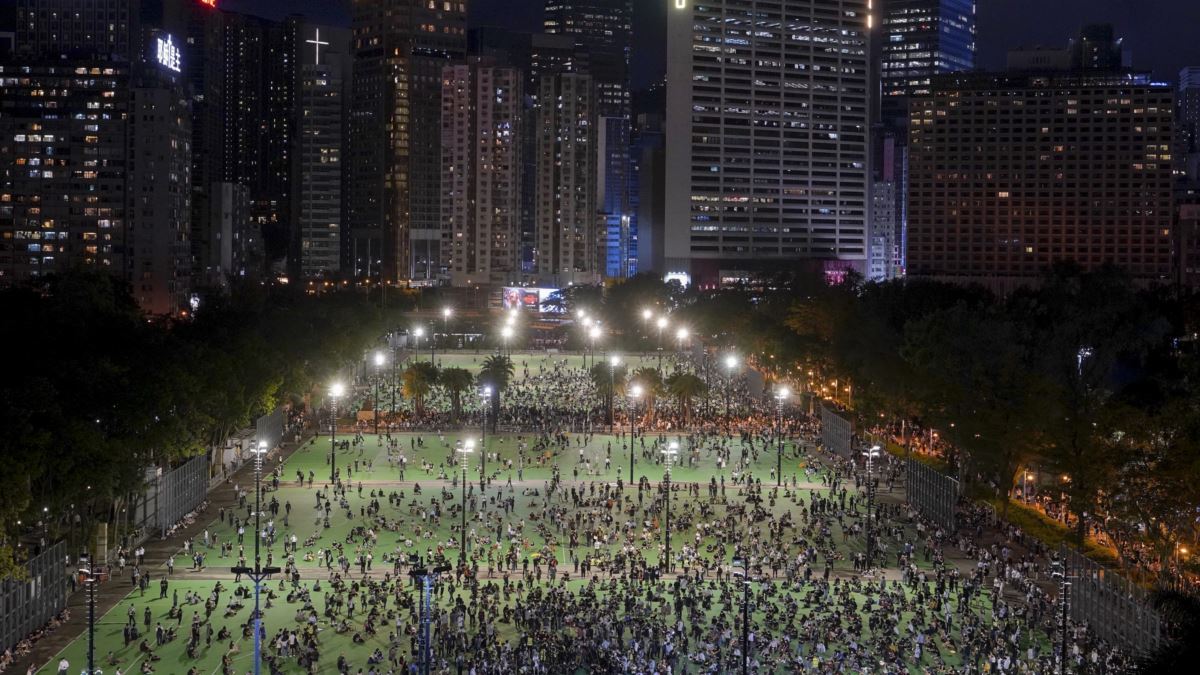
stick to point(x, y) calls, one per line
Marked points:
point(157, 551)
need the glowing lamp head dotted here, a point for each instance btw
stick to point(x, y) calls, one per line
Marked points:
point(419, 331)
point(615, 360)
point(447, 312)
point(682, 334)
point(661, 323)
point(594, 332)
point(379, 358)
point(731, 361)
point(783, 393)
point(647, 314)
point(506, 332)
point(337, 390)
point(636, 391)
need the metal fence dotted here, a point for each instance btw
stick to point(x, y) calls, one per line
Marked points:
point(26, 606)
point(181, 490)
point(1118, 610)
point(270, 427)
point(837, 432)
point(933, 493)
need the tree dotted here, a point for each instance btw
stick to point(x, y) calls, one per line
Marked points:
point(456, 381)
point(652, 384)
point(685, 387)
point(1180, 653)
point(608, 381)
point(496, 372)
point(418, 380)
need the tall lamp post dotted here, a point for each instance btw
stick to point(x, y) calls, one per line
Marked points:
point(506, 334)
point(380, 359)
point(613, 362)
point(781, 395)
point(593, 335)
point(464, 454)
point(258, 572)
point(635, 392)
point(335, 392)
point(87, 568)
point(871, 455)
point(426, 577)
point(731, 364)
point(447, 312)
point(668, 458)
point(418, 333)
point(487, 402)
point(661, 324)
point(739, 562)
point(647, 315)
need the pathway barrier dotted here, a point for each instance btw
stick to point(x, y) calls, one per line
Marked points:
point(27, 605)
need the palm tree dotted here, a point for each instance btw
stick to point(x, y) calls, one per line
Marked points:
point(685, 387)
point(497, 372)
point(419, 378)
point(456, 381)
point(652, 382)
point(1178, 654)
point(608, 381)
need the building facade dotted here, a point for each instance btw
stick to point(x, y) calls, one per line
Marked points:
point(567, 232)
point(324, 73)
point(603, 30)
point(63, 167)
point(1010, 173)
point(481, 140)
point(400, 48)
point(767, 125)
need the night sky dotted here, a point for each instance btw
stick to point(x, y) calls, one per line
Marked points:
point(1164, 35)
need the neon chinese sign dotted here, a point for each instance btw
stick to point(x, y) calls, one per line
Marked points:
point(209, 3)
point(167, 53)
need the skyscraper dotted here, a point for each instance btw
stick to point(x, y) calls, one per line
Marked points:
point(400, 48)
point(77, 29)
point(482, 109)
point(566, 189)
point(602, 28)
point(318, 171)
point(1012, 172)
point(918, 40)
point(767, 113)
point(1188, 118)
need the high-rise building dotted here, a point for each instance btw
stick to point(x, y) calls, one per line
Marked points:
point(767, 114)
point(567, 236)
point(917, 40)
point(482, 109)
point(923, 38)
point(63, 167)
point(647, 155)
point(159, 184)
point(602, 29)
point(1012, 172)
point(400, 48)
point(1188, 121)
point(75, 29)
point(322, 98)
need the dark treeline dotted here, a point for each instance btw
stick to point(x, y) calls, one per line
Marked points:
point(93, 393)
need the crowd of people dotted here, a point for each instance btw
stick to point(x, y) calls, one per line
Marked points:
point(571, 573)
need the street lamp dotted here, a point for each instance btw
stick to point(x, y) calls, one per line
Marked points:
point(668, 457)
point(731, 364)
point(661, 324)
point(447, 312)
point(635, 392)
point(613, 361)
point(335, 392)
point(87, 568)
point(781, 395)
point(464, 456)
point(506, 334)
point(426, 577)
point(380, 359)
point(486, 395)
point(258, 572)
point(871, 455)
point(740, 562)
point(593, 333)
point(418, 333)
